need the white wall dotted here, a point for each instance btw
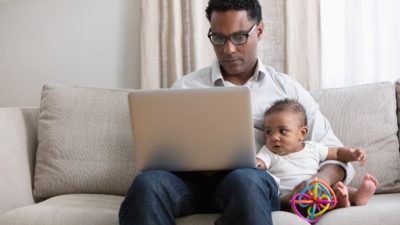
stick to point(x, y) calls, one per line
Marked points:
point(76, 42)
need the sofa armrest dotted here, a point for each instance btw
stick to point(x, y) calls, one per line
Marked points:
point(18, 143)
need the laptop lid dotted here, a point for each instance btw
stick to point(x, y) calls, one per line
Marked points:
point(203, 129)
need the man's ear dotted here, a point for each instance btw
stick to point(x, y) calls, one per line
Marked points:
point(304, 132)
point(260, 30)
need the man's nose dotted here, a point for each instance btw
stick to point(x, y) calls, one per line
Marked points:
point(229, 47)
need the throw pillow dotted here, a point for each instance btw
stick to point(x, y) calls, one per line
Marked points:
point(85, 142)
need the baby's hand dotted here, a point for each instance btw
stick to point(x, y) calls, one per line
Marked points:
point(359, 155)
point(260, 164)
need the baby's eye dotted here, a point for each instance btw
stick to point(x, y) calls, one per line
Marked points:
point(268, 132)
point(283, 131)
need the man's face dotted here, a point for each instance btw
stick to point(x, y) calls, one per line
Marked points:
point(236, 59)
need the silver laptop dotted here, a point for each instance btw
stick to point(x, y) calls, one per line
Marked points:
point(203, 129)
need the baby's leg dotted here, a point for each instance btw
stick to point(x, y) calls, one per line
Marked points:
point(342, 195)
point(365, 191)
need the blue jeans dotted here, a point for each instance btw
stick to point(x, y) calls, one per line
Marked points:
point(242, 196)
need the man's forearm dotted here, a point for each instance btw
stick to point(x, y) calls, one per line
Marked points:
point(331, 173)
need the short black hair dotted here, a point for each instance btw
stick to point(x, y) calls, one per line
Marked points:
point(252, 7)
point(288, 105)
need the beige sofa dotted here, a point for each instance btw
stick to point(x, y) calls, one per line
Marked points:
point(72, 161)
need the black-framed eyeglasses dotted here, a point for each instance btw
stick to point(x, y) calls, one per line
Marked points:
point(236, 39)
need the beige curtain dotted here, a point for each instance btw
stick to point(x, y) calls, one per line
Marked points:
point(272, 46)
point(173, 40)
point(303, 42)
point(291, 42)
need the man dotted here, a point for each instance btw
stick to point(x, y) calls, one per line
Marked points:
point(242, 196)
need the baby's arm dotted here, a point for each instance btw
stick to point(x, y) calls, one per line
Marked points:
point(345, 154)
point(263, 159)
point(260, 164)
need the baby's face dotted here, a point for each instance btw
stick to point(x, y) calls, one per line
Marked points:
point(284, 133)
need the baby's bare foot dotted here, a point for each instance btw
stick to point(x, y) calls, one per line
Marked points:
point(366, 190)
point(342, 195)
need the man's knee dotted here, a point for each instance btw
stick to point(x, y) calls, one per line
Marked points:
point(251, 179)
point(149, 180)
point(244, 177)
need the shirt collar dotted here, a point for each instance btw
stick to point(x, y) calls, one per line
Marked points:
point(218, 80)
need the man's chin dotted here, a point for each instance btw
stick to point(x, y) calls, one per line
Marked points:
point(232, 69)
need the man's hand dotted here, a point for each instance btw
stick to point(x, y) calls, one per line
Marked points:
point(329, 173)
point(285, 201)
point(299, 188)
point(260, 164)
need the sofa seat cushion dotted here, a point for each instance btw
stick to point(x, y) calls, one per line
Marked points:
point(278, 217)
point(77, 209)
point(93, 209)
point(381, 209)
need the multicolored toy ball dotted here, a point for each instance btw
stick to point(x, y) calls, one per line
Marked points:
point(314, 200)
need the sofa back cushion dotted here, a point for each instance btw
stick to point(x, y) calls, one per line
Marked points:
point(85, 142)
point(365, 116)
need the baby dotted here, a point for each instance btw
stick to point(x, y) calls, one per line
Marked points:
point(292, 160)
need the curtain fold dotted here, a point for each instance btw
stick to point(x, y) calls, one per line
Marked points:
point(303, 42)
point(150, 45)
point(272, 46)
point(173, 41)
point(171, 48)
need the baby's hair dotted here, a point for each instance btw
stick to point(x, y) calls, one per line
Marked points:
point(288, 105)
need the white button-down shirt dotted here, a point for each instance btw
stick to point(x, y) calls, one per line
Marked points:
point(266, 86)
